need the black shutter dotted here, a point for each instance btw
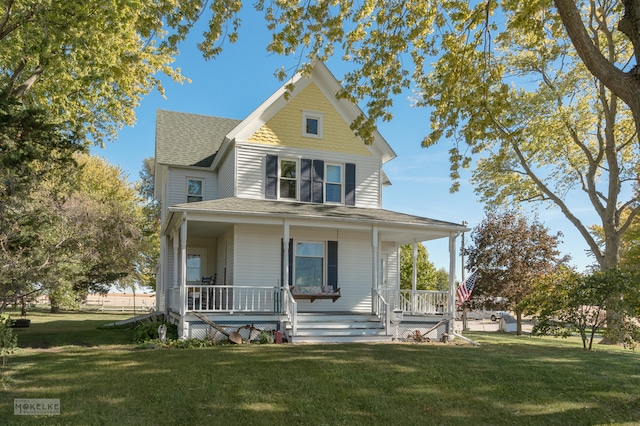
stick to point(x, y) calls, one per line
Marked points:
point(271, 178)
point(290, 261)
point(305, 180)
point(332, 264)
point(350, 184)
point(318, 181)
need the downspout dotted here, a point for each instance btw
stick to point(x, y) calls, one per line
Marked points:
point(183, 331)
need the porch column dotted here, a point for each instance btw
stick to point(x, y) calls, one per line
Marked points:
point(183, 332)
point(374, 250)
point(161, 281)
point(452, 282)
point(285, 255)
point(174, 276)
point(414, 275)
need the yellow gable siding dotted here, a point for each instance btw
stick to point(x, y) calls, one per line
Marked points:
point(285, 128)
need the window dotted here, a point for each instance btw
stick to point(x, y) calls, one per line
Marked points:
point(333, 183)
point(194, 190)
point(312, 124)
point(288, 179)
point(309, 266)
point(194, 262)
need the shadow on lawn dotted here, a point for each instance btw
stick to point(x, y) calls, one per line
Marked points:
point(332, 384)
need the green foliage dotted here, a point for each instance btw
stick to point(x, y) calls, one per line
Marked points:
point(511, 253)
point(8, 340)
point(148, 330)
point(427, 277)
point(265, 338)
point(568, 301)
point(89, 63)
point(509, 85)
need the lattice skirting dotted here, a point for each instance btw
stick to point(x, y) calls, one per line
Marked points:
point(420, 332)
point(249, 332)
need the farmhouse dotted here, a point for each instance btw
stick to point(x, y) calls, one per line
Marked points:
point(275, 222)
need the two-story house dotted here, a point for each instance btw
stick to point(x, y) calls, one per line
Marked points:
point(276, 222)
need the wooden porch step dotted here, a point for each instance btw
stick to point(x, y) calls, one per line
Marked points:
point(337, 328)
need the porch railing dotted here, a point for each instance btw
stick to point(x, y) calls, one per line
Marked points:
point(428, 302)
point(382, 309)
point(233, 298)
point(290, 309)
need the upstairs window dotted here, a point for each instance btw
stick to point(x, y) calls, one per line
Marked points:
point(288, 182)
point(333, 183)
point(312, 124)
point(194, 190)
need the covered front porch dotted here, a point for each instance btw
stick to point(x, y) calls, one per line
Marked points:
point(247, 273)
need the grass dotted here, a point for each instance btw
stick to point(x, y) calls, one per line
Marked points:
point(101, 379)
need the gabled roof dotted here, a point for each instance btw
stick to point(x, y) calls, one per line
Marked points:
point(329, 86)
point(189, 139)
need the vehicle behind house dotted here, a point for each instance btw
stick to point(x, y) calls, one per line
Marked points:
point(485, 314)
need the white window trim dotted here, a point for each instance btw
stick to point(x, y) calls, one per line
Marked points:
point(297, 161)
point(186, 189)
point(313, 115)
point(326, 182)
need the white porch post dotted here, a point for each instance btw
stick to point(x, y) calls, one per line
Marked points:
point(374, 253)
point(414, 277)
point(176, 263)
point(183, 332)
point(452, 282)
point(285, 255)
point(161, 281)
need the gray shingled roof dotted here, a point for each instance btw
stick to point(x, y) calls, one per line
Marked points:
point(257, 207)
point(189, 139)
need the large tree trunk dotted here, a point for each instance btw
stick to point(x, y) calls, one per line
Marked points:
point(625, 85)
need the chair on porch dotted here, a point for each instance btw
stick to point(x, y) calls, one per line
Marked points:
point(209, 281)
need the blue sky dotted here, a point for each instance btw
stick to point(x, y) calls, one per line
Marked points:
point(241, 78)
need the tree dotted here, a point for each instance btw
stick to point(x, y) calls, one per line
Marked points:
point(511, 254)
point(535, 89)
point(566, 300)
point(32, 151)
point(89, 62)
point(427, 278)
point(149, 226)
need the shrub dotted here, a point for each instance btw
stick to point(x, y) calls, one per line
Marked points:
point(8, 340)
point(148, 330)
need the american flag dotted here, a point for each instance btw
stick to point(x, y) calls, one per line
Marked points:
point(465, 289)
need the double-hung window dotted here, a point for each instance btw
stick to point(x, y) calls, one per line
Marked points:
point(194, 190)
point(288, 179)
point(333, 183)
point(309, 266)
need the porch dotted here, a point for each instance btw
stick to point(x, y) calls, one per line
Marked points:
point(276, 305)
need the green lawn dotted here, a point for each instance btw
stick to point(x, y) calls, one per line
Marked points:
point(101, 379)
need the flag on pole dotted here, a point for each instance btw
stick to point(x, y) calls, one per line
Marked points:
point(465, 288)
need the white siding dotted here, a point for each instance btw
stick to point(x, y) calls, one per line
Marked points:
point(258, 248)
point(177, 185)
point(251, 171)
point(226, 179)
point(258, 263)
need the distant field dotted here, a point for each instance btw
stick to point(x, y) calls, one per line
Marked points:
point(101, 378)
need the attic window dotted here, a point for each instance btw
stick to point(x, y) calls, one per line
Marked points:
point(312, 124)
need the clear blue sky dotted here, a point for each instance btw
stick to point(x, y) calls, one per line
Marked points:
point(241, 78)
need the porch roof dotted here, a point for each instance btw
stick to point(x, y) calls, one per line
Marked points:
point(405, 227)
